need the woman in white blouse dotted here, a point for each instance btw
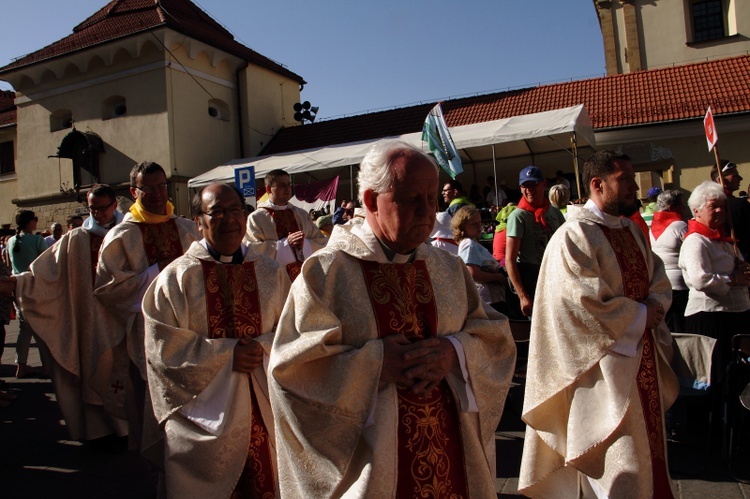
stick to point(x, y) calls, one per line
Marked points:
point(718, 302)
point(489, 279)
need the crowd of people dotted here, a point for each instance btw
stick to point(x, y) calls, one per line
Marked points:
point(295, 354)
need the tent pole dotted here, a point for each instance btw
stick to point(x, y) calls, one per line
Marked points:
point(494, 174)
point(351, 182)
point(575, 163)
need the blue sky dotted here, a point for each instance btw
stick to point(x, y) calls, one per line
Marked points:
point(367, 56)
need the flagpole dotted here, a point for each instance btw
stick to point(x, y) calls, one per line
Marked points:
point(728, 213)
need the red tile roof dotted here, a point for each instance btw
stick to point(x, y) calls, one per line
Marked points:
point(645, 97)
point(7, 108)
point(122, 18)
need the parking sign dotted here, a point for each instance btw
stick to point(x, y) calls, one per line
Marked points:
point(244, 180)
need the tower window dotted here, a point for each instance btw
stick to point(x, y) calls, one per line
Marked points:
point(708, 20)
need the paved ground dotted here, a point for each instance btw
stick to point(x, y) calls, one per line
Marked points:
point(37, 459)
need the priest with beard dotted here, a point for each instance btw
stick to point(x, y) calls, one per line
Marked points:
point(598, 379)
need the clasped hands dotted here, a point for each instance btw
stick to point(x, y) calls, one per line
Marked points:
point(419, 365)
point(654, 312)
point(248, 354)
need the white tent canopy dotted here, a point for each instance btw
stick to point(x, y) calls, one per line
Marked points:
point(528, 134)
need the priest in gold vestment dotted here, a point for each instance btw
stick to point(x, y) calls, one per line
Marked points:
point(598, 379)
point(131, 256)
point(57, 297)
point(388, 375)
point(210, 317)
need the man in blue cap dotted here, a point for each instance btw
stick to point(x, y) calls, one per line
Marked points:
point(529, 229)
point(648, 210)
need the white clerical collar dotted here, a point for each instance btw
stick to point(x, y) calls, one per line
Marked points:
point(278, 206)
point(609, 220)
point(222, 258)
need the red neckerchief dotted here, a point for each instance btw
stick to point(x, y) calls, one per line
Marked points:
point(641, 223)
point(696, 227)
point(662, 220)
point(538, 212)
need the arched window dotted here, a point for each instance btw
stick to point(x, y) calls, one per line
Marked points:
point(218, 109)
point(114, 107)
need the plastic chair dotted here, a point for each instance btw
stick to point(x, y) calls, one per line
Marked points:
point(736, 407)
point(692, 362)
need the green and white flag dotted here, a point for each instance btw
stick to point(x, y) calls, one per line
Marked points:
point(435, 133)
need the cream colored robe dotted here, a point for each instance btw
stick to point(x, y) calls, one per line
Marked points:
point(121, 280)
point(182, 361)
point(261, 230)
point(57, 297)
point(581, 402)
point(325, 371)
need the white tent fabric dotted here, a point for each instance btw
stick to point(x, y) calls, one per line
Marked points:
point(526, 134)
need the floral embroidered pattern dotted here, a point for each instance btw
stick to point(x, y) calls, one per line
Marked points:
point(232, 301)
point(635, 285)
point(161, 241)
point(430, 451)
point(233, 311)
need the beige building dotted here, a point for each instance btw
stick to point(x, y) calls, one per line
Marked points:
point(651, 34)
point(131, 85)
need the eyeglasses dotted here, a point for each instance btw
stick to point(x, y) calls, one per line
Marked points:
point(219, 213)
point(150, 189)
point(100, 209)
point(448, 190)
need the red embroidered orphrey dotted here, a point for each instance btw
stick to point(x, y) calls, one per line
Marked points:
point(233, 311)
point(635, 283)
point(430, 451)
point(286, 223)
point(161, 241)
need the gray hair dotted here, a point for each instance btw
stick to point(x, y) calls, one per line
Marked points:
point(559, 195)
point(376, 169)
point(705, 192)
point(668, 199)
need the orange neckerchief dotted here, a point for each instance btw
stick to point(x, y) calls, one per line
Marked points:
point(141, 214)
point(538, 212)
point(696, 227)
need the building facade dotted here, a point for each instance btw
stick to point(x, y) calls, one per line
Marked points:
point(648, 34)
point(132, 84)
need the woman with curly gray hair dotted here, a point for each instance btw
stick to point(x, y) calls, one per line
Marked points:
point(667, 230)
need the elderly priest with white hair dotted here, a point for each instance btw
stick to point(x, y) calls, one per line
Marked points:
point(388, 375)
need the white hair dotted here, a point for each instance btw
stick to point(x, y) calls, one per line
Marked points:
point(705, 192)
point(376, 169)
